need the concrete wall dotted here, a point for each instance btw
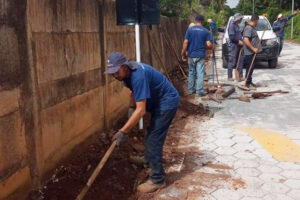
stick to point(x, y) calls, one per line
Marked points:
point(14, 164)
point(53, 93)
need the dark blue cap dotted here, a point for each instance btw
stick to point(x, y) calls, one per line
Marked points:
point(199, 18)
point(115, 61)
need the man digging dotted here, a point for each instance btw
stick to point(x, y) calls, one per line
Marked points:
point(151, 92)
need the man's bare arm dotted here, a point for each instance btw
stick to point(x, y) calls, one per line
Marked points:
point(249, 45)
point(184, 48)
point(209, 44)
point(139, 112)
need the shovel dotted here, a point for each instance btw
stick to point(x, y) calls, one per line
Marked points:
point(214, 67)
point(96, 171)
point(236, 72)
point(244, 87)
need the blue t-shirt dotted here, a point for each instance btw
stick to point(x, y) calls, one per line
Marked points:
point(213, 26)
point(146, 82)
point(197, 37)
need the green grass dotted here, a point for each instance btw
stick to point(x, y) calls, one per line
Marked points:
point(296, 34)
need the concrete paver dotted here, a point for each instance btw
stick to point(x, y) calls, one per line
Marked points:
point(226, 193)
point(277, 188)
point(268, 177)
point(294, 184)
point(294, 194)
point(254, 167)
point(241, 163)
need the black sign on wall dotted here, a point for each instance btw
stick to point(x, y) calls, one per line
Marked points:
point(130, 12)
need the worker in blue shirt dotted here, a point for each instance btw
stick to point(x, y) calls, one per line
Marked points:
point(212, 27)
point(151, 92)
point(235, 44)
point(197, 39)
point(279, 27)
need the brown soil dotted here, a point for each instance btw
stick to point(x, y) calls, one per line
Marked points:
point(119, 177)
point(238, 183)
point(216, 166)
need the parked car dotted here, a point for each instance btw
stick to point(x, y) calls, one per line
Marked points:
point(270, 43)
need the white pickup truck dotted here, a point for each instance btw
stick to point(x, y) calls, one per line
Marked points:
point(270, 43)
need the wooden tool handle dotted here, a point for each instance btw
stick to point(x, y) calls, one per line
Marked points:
point(238, 62)
point(96, 171)
point(172, 48)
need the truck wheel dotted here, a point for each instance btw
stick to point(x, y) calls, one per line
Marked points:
point(225, 64)
point(273, 63)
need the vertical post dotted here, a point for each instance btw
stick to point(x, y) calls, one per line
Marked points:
point(104, 79)
point(32, 108)
point(137, 43)
point(292, 26)
point(252, 6)
point(280, 3)
point(138, 57)
point(213, 71)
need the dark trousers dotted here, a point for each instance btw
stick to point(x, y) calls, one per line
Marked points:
point(233, 55)
point(248, 61)
point(281, 42)
point(155, 138)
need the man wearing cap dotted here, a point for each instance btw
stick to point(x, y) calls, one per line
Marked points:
point(251, 42)
point(212, 26)
point(196, 39)
point(279, 27)
point(235, 43)
point(151, 92)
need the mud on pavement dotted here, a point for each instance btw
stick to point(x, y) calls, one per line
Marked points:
point(183, 159)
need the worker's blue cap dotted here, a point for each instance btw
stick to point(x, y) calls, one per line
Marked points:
point(115, 61)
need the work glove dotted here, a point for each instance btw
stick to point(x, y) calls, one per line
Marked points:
point(120, 137)
point(130, 111)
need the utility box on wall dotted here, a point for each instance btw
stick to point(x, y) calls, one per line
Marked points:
point(130, 12)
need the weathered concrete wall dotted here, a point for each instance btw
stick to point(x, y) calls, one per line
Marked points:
point(66, 54)
point(53, 91)
point(14, 166)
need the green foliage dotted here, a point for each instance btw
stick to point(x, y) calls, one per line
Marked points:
point(272, 8)
point(261, 6)
point(296, 34)
point(183, 9)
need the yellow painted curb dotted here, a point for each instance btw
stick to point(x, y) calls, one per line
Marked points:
point(279, 146)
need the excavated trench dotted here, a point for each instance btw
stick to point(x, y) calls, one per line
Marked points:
point(119, 177)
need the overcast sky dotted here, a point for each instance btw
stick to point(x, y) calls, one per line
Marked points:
point(232, 3)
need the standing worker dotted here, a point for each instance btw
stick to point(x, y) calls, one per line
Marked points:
point(251, 42)
point(151, 92)
point(212, 27)
point(235, 44)
point(279, 28)
point(194, 46)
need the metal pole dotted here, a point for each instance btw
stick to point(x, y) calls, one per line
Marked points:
point(292, 26)
point(280, 4)
point(138, 58)
point(252, 6)
point(137, 43)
